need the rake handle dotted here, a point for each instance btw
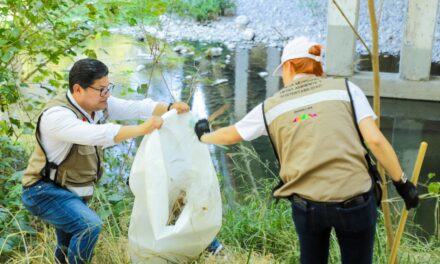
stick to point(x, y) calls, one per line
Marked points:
point(403, 218)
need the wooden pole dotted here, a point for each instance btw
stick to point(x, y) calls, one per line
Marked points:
point(403, 218)
point(375, 60)
point(376, 107)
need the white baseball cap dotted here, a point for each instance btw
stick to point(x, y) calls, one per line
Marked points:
point(295, 49)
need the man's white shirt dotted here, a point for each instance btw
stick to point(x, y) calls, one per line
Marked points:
point(252, 125)
point(60, 128)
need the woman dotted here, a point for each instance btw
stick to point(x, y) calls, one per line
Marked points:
point(322, 160)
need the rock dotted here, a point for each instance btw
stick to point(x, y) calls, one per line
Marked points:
point(140, 37)
point(214, 52)
point(230, 46)
point(249, 34)
point(161, 35)
point(163, 18)
point(263, 74)
point(241, 21)
point(180, 49)
point(219, 81)
point(143, 55)
point(152, 31)
point(140, 68)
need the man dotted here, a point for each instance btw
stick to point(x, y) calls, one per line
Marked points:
point(67, 161)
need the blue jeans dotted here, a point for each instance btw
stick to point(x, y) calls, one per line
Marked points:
point(77, 226)
point(354, 225)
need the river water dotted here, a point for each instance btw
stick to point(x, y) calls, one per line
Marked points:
point(239, 79)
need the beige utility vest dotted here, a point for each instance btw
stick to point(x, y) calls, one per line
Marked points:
point(81, 168)
point(310, 123)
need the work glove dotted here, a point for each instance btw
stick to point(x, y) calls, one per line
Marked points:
point(408, 192)
point(201, 128)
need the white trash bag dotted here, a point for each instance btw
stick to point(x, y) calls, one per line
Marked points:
point(177, 208)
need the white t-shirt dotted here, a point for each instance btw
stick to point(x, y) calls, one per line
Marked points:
point(252, 125)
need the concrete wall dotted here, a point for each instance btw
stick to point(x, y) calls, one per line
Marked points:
point(394, 87)
point(341, 41)
point(418, 37)
point(414, 80)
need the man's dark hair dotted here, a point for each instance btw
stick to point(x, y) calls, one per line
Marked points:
point(85, 71)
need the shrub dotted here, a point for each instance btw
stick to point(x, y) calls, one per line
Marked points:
point(201, 10)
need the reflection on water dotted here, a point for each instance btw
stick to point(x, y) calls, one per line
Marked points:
point(405, 123)
point(272, 82)
point(241, 82)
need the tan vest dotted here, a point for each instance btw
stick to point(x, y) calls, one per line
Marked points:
point(311, 125)
point(81, 168)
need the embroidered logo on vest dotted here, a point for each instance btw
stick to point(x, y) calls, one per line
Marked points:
point(304, 117)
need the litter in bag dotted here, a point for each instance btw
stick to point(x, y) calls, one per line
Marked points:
point(177, 207)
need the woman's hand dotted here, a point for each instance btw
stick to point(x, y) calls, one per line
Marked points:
point(181, 107)
point(201, 128)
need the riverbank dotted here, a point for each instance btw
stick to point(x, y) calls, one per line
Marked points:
point(272, 22)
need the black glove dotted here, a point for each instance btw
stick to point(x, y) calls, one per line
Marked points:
point(408, 192)
point(202, 127)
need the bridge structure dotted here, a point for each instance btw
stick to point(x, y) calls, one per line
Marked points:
point(413, 81)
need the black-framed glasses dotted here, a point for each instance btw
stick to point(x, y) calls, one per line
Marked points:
point(104, 91)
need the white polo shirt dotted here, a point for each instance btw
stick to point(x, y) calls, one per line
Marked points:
point(60, 128)
point(252, 125)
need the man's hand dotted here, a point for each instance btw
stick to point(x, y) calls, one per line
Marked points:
point(408, 192)
point(181, 107)
point(154, 122)
point(201, 128)
point(126, 132)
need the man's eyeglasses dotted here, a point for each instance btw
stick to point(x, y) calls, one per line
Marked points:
point(104, 91)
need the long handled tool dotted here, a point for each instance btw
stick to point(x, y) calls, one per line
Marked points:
point(402, 222)
point(376, 81)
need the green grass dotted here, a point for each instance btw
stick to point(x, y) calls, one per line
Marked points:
point(255, 229)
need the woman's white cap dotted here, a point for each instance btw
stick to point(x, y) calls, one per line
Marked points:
point(295, 49)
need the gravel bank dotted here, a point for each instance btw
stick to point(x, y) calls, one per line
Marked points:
point(273, 22)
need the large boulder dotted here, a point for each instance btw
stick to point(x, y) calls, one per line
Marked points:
point(249, 34)
point(241, 21)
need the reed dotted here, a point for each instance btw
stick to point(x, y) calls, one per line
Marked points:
point(255, 229)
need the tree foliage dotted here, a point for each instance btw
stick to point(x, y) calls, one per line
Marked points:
point(201, 10)
point(34, 34)
point(12, 163)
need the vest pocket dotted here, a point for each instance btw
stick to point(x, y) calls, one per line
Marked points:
point(78, 177)
point(85, 150)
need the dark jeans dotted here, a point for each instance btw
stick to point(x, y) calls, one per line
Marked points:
point(77, 226)
point(354, 225)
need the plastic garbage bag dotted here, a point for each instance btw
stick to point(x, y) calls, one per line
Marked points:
point(177, 208)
